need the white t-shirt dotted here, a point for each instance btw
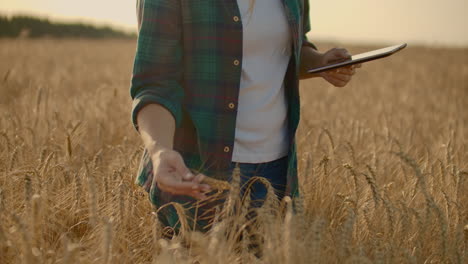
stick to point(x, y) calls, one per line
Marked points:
point(262, 125)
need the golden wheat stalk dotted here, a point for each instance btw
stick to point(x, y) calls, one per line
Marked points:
point(107, 242)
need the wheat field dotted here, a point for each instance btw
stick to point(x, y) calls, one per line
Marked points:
point(383, 165)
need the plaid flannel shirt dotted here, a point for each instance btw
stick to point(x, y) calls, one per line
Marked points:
point(189, 60)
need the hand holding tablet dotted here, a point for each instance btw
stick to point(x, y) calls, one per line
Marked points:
point(361, 58)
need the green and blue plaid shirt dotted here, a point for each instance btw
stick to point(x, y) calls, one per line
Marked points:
point(189, 60)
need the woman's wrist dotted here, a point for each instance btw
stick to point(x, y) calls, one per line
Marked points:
point(155, 148)
point(310, 59)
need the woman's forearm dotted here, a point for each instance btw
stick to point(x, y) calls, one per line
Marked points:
point(157, 126)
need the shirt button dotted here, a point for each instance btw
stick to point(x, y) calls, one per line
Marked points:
point(235, 18)
point(226, 149)
point(231, 105)
point(236, 62)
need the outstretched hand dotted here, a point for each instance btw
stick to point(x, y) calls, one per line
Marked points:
point(338, 77)
point(171, 175)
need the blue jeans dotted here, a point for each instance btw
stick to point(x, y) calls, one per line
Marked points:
point(274, 171)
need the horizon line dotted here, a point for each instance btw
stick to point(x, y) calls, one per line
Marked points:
point(126, 28)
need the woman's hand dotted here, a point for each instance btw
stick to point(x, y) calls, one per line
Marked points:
point(171, 175)
point(156, 126)
point(341, 76)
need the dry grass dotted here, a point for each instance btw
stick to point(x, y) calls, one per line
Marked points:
point(383, 166)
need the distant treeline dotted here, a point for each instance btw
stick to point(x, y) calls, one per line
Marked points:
point(32, 27)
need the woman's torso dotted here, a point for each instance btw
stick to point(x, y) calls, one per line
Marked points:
point(261, 125)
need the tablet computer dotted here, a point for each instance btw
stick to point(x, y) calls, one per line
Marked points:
point(360, 58)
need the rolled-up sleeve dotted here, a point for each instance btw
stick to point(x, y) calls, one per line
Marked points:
point(306, 26)
point(157, 69)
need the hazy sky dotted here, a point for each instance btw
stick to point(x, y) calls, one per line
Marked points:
point(441, 22)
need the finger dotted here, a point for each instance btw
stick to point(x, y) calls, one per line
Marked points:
point(164, 188)
point(170, 181)
point(344, 53)
point(340, 53)
point(195, 194)
point(199, 196)
point(199, 179)
point(179, 190)
point(334, 81)
point(341, 76)
point(205, 187)
point(349, 70)
point(330, 57)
